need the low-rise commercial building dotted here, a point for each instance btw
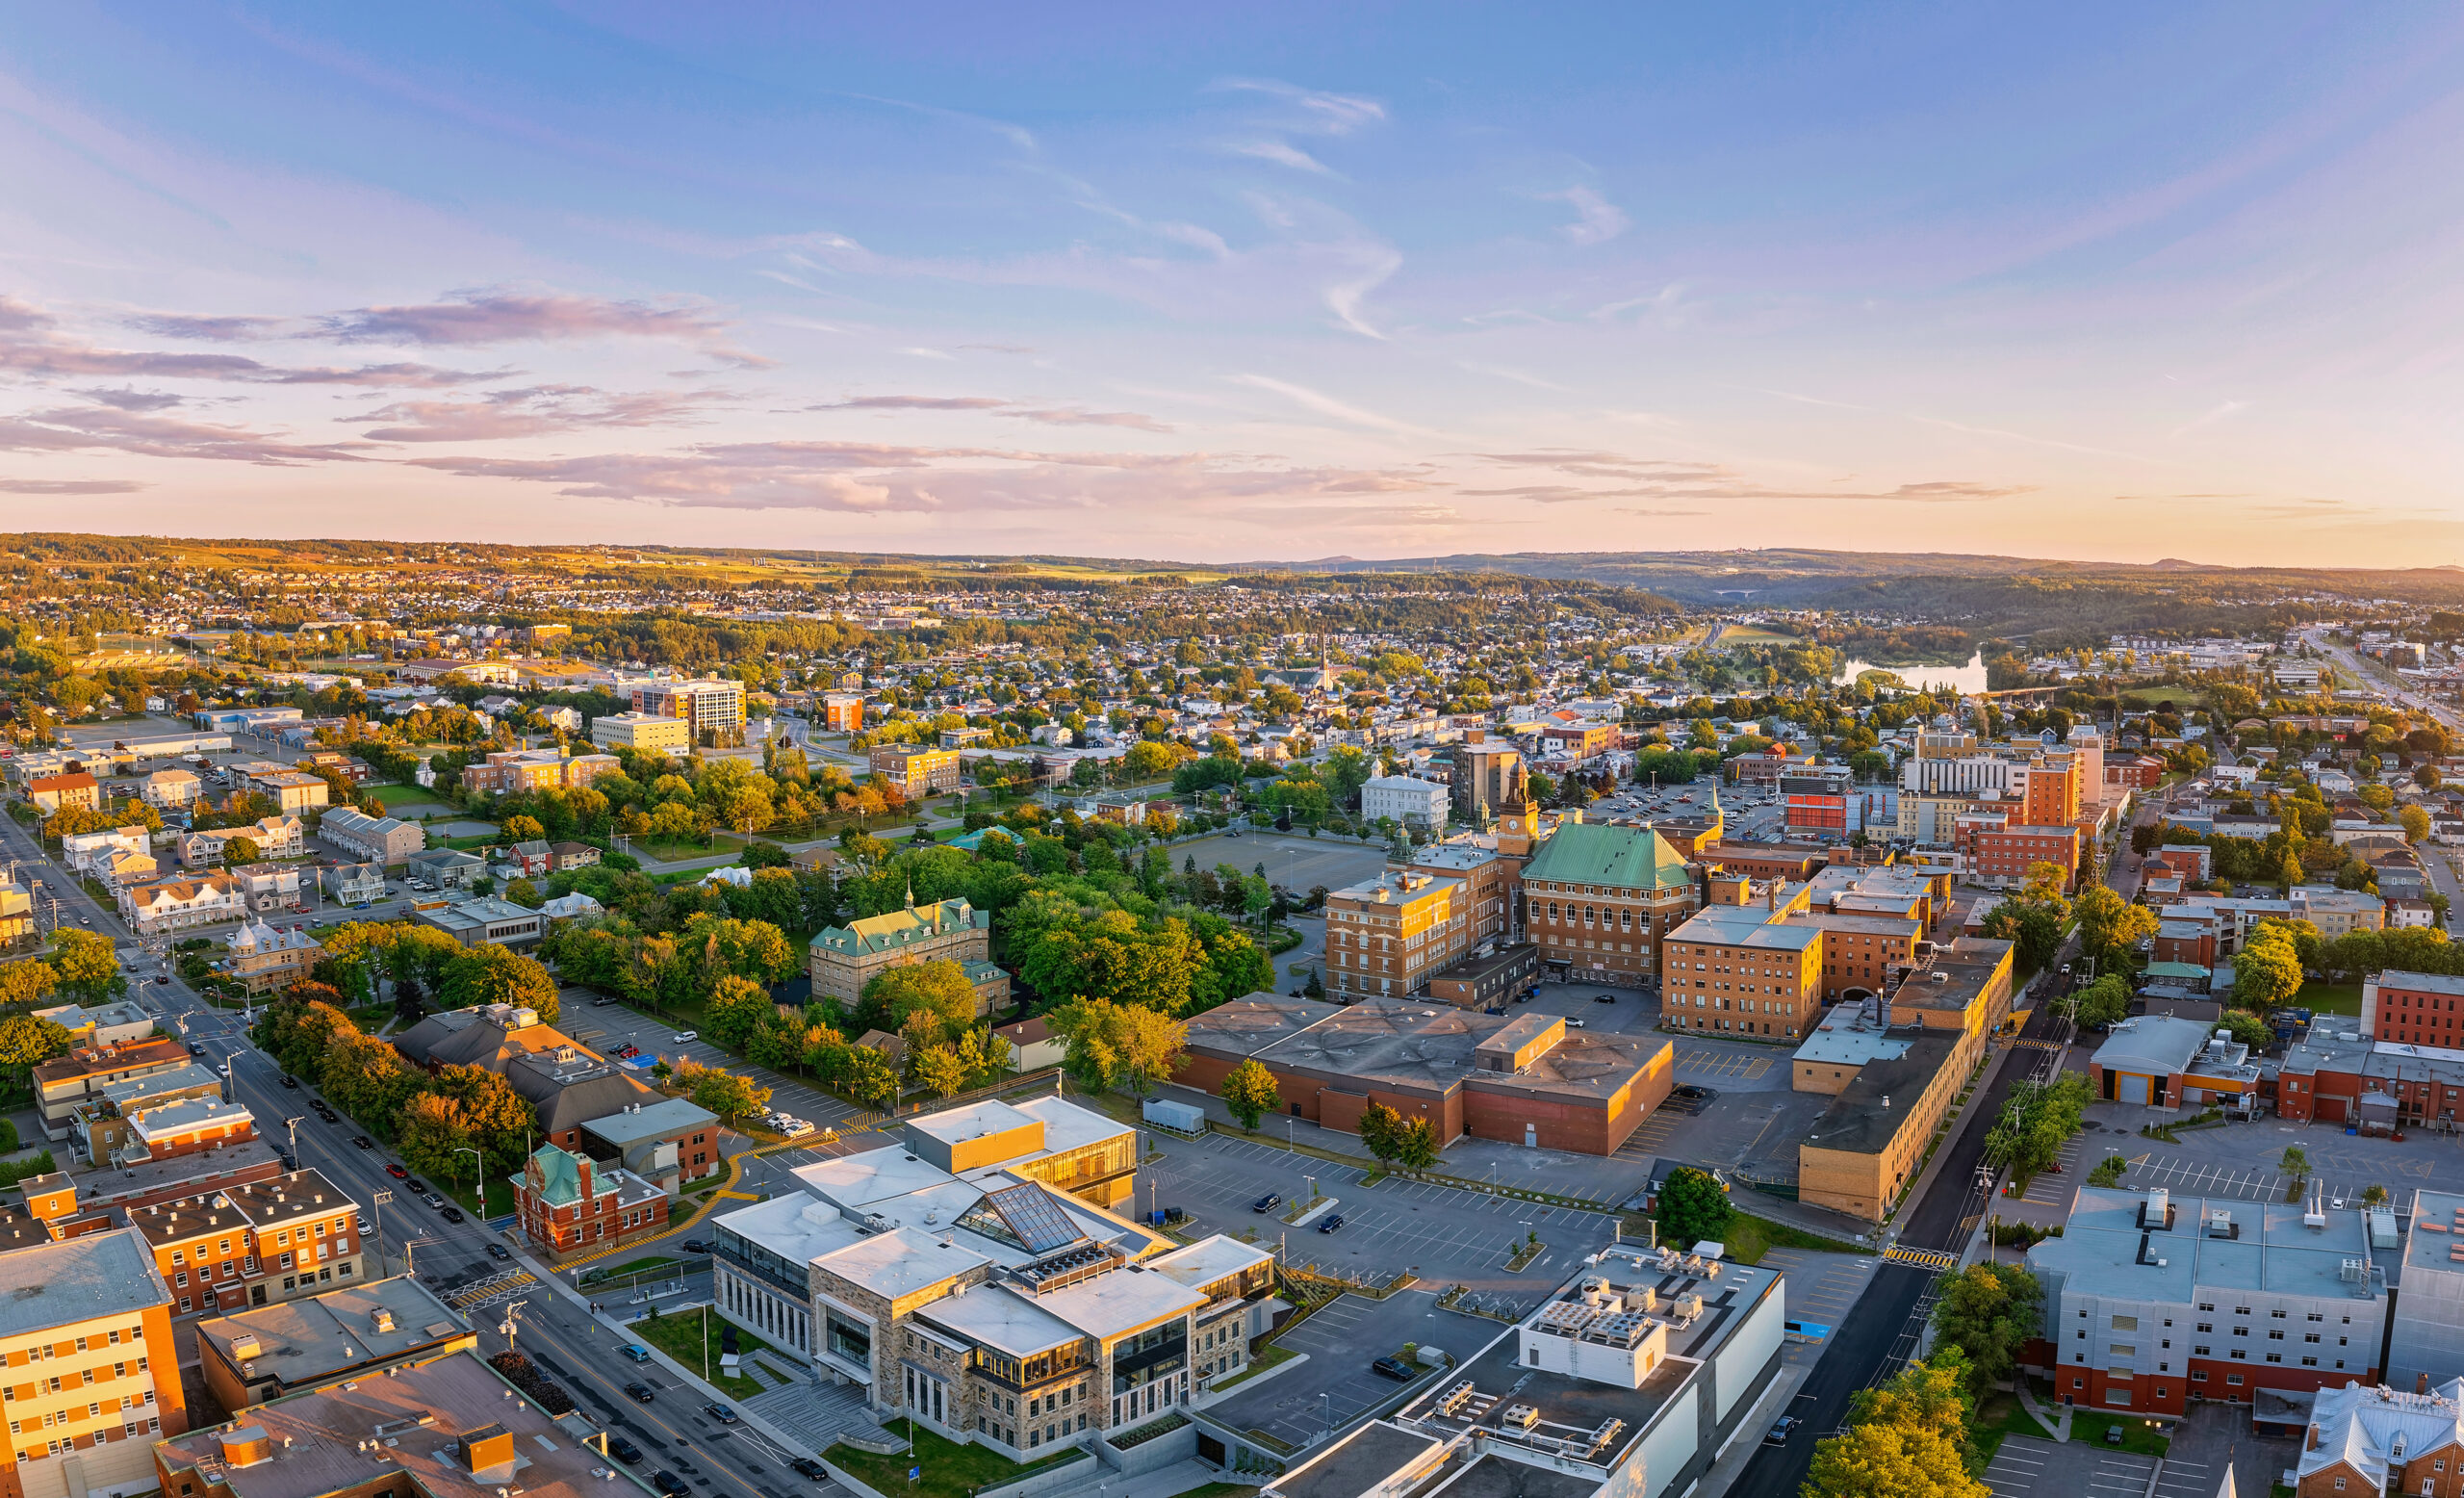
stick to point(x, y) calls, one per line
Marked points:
point(1526, 1079)
point(1489, 977)
point(643, 732)
point(65, 1082)
point(486, 921)
point(268, 1353)
point(916, 770)
point(253, 1244)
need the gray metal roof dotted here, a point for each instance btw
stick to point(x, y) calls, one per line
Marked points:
point(51, 1284)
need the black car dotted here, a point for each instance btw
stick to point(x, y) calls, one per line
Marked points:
point(1266, 1203)
point(1331, 1222)
point(641, 1392)
point(1692, 1093)
point(671, 1484)
point(623, 1450)
point(499, 1250)
point(1605, 998)
point(2112, 1435)
point(1777, 1434)
point(1394, 1368)
point(291, 1082)
point(452, 1214)
point(805, 1466)
point(720, 1412)
point(363, 1140)
point(196, 1049)
point(696, 1246)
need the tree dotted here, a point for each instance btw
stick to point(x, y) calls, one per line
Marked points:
point(2249, 1030)
point(1416, 1145)
point(1988, 1311)
point(736, 1008)
point(2102, 1002)
point(492, 974)
point(499, 1119)
point(1111, 1045)
point(1249, 1091)
point(1907, 1439)
point(866, 1075)
point(26, 1042)
point(2109, 926)
point(430, 1132)
point(2266, 973)
point(2374, 1194)
point(521, 829)
point(26, 984)
point(86, 967)
point(728, 1095)
point(938, 989)
point(1693, 1208)
point(938, 1069)
point(525, 894)
point(365, 1077)
point(2295, 1162)
point(237, 851)
point(2415, 822)
point(1380, 1129)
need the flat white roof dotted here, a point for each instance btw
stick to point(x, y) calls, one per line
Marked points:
point(899, 1262)
point(859, 1180)
point(1000, 1317)
point(1109, 1305)
point(1208, 1260)
point(798, 1229)
point(974, 1120)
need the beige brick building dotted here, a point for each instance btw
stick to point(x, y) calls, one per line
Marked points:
point(1386, 936)
point(843, 959)
point(89, 1368)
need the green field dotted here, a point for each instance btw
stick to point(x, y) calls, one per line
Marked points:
point(2330, 999)
point(693, 1341)
point(946, 1468)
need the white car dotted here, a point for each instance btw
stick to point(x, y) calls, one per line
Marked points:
point(685, 1037)
point(795, 1128)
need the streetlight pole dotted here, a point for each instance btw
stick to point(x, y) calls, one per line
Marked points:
point(293, 1125)
point(379, 1197)
point(480, 1182)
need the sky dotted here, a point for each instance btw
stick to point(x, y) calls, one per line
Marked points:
point(1234, 283)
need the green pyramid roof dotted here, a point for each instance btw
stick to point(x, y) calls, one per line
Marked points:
point(1603, 853)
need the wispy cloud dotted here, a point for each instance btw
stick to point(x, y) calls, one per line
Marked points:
point(474, 318)
point(1050, 416)
point(1345, 296)
point(1664, 479)
point(69, 486)
point(97, 427)
point(126, 398)
point(1328, 406)
point(233, 329)
point(1328, 114)
point(32, 345)
point(1597, 220)
point(531, 412)
point(1518, 376)
point(1282, 153)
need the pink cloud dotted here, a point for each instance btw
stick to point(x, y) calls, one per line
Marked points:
point(473, 318)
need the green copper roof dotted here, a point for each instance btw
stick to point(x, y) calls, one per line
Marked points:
point(1600, 853)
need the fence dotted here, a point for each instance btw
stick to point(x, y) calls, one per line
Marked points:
point(1352, 1281)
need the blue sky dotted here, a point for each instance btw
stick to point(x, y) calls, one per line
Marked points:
point(1258, 282)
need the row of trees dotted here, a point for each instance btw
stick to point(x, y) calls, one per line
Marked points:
point(2035, 1120)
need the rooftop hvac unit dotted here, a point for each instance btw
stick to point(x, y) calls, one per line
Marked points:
point(1520, 1417)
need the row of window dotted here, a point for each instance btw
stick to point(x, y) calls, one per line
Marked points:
point(94, 1411)
point(67, 1380)
point(150, 1425)
point(21, 1356)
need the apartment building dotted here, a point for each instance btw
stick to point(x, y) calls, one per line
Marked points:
point(1488, 774)
point(1405, 800)
point(65, 1082)
point(351, 884)
point(842, 713)
point(510, 770)
point(1599, 898)
point(270, 887)
point(1387, 936)
point(272, 1351)
point(385, 840)
point(252, 1244)
point(2153, 1299)
point(917, 771)
point(294, 791)
point(711, 710)
point(842, 959)
point(644, 731)
point(50, 793)
point(169, 789)
point(1999, 854)
point(89, 1367)
point(154, 906)
point(276, 837)
point(1493, 882)
point(2413, 1008)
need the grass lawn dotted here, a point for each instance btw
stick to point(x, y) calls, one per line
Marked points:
point(2000, 1415)
point(683, 1337)
point(500, 1203)
point(1750, 1237)
point(639, 1266)
point(2137, 1434)
point(949, 1470)
point(2330, 999)
point(1259, 1364)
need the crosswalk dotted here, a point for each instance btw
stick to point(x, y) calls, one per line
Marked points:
point(492, 1291)
point(1931, 1258)
point(2032, 1042)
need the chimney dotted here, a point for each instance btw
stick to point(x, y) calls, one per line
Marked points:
point(2420, 1383)
point(2312, 1442)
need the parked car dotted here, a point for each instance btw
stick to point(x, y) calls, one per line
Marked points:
point(685, 1037)
point(291, 1082)
point(434, 1201)
point(671, 1484)
point(395, 1170)
point(1777, 1434)
point(1575, 1023)
point(719, 1413)
point(1330, 1221)
point(1605, 998)
point(696, 1246)
point(637, 1353)
point(414, 1185)
point(805, 1466)
point(641, 1393)
point(453, 1214)
point(795, 1128)
point(600, 1002)
point(499, 1250)
point(363, 1140)
point(623, 1450)
point(1268, 1203)
point(1394, 1368)
point(2112, 1435)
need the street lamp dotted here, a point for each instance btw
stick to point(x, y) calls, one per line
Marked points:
point(480, 1180)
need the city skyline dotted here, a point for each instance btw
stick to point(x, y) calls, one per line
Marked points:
point(2102, 285)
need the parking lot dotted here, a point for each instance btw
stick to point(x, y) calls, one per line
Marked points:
point(1442, 1234)
point(2029, 1467)
point(1298, 1406)
point(2244, 1160)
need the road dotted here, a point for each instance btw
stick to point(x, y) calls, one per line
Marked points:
point(2379, 676)
point(1880, 1332)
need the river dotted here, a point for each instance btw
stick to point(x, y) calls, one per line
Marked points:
point(1969, 677)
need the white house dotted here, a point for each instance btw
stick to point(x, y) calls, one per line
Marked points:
point(91, 852)
point(1410, 802)
point(172, 904)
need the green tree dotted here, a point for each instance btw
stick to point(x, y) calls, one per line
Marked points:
point(499, 1119)
point(2102, 1002)
point(736, 1009)
point(1988, 1311)
point(2374, 1194)
point(938, 1070)
point(86, 967)
point(26, 1042)
point(938, 989)
point(366, 1078)
point(429, 1132)
point(2249, 1030)
point(237, 851)
point(525, 894)
point(2266, 973)
point(1250, 1092)
point(2295, 1162)
point(728, 1095)
point(2109, 926)
point(1907, 1439)
point(521, 829)
point(492, 974)
point(1109, 1044)
point(866, 1075)
point(1416, 1145)
point(1382, 1129)
point(1693, 1208)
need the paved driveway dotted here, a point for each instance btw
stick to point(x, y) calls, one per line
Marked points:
point(1335, 1387)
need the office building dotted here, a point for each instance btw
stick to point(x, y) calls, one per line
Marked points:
point(252, 1243)
point(646, 731)
point(915, 770)
point(1405, 801)
point(571, 1205)
point(842, 959)
point(1387, 936)
point(1599, 899)
point(712, 710)
point(263, 1354)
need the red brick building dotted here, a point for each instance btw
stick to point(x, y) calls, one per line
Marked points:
point(2414, 1009)
point(1818, 800)
point(570, 1204)
point(1526, 1081)
point(2140, 772)
point(2000, 855)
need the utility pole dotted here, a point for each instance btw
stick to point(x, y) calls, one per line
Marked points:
point(380, 1197)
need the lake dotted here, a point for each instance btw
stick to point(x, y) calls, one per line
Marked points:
point(1969, 677)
